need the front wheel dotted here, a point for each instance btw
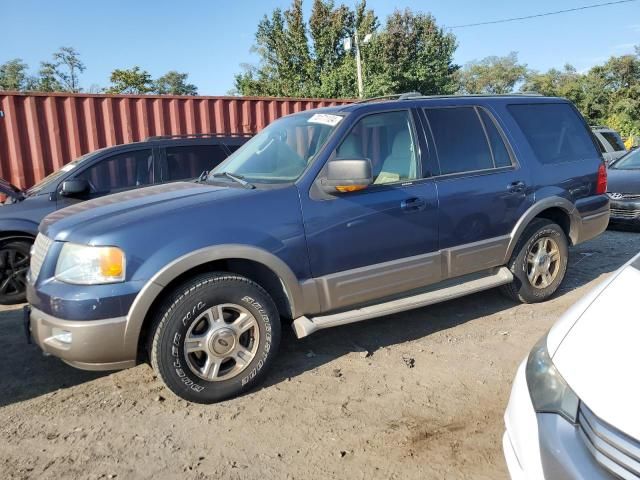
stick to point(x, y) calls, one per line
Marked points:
point(14, 264)
point(538, 263)
point(215, 338)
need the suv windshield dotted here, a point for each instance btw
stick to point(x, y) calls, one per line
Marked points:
point(282, 151)
point(630, 161)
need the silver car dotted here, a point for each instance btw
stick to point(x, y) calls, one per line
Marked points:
point(610, 142)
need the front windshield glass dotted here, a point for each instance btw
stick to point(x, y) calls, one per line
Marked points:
point(282, 151)
point(53, 177)
point(630, 161)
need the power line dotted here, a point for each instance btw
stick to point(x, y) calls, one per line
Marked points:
point(546, 14)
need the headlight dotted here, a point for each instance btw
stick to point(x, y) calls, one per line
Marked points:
point(88, 265)
point(549, 392)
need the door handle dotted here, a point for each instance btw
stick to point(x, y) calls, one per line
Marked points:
point(516, 187)
point(413, 204)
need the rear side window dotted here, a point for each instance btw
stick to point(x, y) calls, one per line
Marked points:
point(188, 162)
point(554, 131)
point(466, 140)
point(500, 153)
point(614, 140)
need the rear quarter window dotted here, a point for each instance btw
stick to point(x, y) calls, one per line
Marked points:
point(614, 140)
point(555, 132)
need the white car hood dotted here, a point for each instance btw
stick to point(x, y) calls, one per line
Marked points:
point(600, 355)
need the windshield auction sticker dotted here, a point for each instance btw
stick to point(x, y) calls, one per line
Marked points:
point(325, 119)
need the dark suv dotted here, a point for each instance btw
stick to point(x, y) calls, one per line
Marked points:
point(105, 171)
point(326, 217)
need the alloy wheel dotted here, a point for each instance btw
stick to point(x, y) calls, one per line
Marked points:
point(543, 262)
point(221, 342)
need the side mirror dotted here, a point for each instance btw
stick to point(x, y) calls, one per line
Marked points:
point(347, 175)
point(74, 187)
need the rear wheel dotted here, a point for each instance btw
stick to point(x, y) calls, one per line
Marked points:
point(14, 265)
point(538, 263)
point(216, 338)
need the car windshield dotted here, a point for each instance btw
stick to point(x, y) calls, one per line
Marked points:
point(631, 161)
point(53, 177)
point(282, 151)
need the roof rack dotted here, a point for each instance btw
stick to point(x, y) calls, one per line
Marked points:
point(392, 96)
point(197, 135)
point(418, 95)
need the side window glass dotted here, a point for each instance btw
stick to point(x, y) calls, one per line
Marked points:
point(555, 132)
point(600, 144)
point(189, 162)
point(498, 148)
point(387, 140)
point(614, 140)
point(460, 140)
point(120, 172)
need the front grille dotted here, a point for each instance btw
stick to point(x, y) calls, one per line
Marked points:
point(623, 196)
point(620, 213)
point(613, 450)
point(38, 253)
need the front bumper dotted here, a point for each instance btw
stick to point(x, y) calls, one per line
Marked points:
point(92, 345)
point(544, 445)
point(625, 212)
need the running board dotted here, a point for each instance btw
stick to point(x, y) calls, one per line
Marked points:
point(304, 326)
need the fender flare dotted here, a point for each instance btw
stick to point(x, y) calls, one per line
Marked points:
point(546, 203)
point(18, 228)
point(154, 287)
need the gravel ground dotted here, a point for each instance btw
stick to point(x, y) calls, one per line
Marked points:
point(414, 395)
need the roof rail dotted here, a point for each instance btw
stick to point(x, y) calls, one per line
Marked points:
point(600, 126)
point(392, 96)
point(418, 95)
point(197, 135)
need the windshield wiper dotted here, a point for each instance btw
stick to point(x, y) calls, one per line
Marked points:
point(235, 178)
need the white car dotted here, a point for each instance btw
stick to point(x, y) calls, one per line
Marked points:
point(574, 411)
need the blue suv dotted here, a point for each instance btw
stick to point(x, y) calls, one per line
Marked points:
point(326, 217)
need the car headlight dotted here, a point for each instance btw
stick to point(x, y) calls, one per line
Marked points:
point(89, 265)
point(549, 392)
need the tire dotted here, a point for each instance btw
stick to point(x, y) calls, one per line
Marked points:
point(14, 265)
point(208, 314)
point(530, 285)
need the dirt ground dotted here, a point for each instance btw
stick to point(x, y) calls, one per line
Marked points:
point(414, 395)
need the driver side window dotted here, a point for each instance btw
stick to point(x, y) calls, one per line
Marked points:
point(387, 140)
point(120, 172)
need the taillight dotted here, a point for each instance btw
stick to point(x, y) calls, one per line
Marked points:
point(601, 186)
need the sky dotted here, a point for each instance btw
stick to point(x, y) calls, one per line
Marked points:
point(211, 39)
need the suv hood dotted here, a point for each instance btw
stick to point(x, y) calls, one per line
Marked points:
point(111, 212)
point(11, 190)
point(600, 354)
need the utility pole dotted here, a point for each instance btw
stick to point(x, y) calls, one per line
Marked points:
point(359, 66)
point(356, 46)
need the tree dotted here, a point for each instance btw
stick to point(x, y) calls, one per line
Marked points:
point(48, 78)
point(13, 75)
point(67, 67)
point(174, 83)
point(298, 59)
point(492, 75)
point(132, 81)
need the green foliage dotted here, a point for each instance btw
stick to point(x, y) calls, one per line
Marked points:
point(409, 53)
point(174, 83)
point(66, 68)
point(607, 94)
point(131, 81)
point(47, 78)
point(492, 75)
point(14, 76)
